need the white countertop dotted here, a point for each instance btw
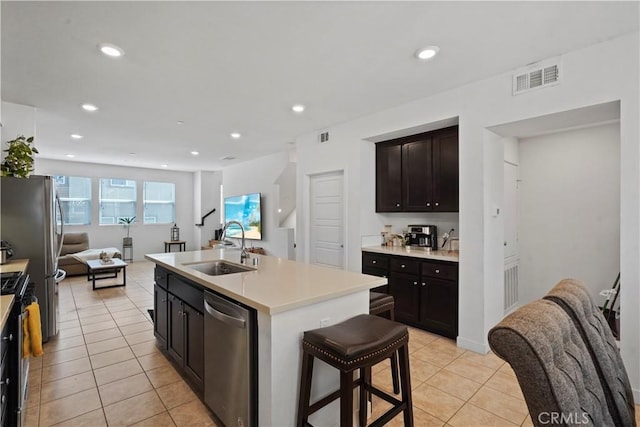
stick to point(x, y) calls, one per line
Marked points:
point(413, 251)
point(277, 285)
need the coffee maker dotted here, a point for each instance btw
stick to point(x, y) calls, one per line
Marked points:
point(425, 236)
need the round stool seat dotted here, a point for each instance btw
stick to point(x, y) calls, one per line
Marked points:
point(380, 303)
point(356, 342)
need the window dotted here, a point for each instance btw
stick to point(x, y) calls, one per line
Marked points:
point(117, 199)
point(75, 197)
point(159, 202)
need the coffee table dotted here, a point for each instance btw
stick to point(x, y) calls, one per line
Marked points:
point(96, 270)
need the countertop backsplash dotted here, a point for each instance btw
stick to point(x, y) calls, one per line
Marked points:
point(399, 222)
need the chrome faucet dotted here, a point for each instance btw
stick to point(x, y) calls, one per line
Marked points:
point(244, 255)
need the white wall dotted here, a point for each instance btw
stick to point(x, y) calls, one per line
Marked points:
point(481, 105)
point(147, 238)
point(254, 176)
point(570, 210)
point(206, 196)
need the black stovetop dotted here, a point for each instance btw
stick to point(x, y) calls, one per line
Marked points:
point(13, 283)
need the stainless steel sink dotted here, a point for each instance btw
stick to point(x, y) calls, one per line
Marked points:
point(218, 268)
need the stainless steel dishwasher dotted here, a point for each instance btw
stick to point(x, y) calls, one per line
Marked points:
point(231, 366)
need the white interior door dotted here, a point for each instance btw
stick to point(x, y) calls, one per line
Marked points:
point(327, 220)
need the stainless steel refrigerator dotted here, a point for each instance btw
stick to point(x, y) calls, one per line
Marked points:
point(31, 221)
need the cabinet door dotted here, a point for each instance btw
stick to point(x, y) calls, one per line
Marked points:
point(439, 306)
point(175, 339)
point(416, 176)
point(160, 314)
point(388, 178)
point(406, 292)
point(445, 170)
point(194, 345)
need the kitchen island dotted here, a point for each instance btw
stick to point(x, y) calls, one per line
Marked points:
point(288, 298)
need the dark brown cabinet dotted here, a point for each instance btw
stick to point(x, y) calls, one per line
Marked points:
point(194, 344)
point(418, 173)
point(175, 339)
point(425, 291)
point(179, 325)
point(406, 294)
point(160, 315)
point(388, 177)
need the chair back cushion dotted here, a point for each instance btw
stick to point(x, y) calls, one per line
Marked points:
point(554, 368)
point(574, 299)
point(74, 242)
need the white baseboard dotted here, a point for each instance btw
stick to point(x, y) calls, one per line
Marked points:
point(477, 347)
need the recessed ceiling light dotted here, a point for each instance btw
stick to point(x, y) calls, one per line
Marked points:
point(164, 166)
point(194, 153)
point(427, 52)
point(235, 135)
point(132, 154)
point(180, 122)
point(111, 50)
point(76, 136)
point(89, 107)
point(298, 108)
point(71, 155)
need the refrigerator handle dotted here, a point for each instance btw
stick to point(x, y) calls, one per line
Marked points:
point(61, 237)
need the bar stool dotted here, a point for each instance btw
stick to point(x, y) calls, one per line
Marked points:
point(382, 305)
point(356, 344)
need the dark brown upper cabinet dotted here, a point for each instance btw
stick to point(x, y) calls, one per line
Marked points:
point(418, 173)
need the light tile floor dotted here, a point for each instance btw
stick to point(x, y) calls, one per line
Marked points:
point(104, 369)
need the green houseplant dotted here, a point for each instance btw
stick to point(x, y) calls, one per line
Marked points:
point(127, 221)
point(19, 159)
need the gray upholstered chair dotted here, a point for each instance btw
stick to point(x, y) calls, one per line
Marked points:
point(574, 299)
point(553, 365)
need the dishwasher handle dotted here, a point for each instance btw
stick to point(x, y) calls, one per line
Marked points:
point(230, 320)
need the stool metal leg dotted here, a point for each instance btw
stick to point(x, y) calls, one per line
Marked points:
point(305, 389)
point(346, 399)
point(405, 375)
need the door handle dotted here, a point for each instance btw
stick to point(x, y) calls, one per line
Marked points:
point(235, 321)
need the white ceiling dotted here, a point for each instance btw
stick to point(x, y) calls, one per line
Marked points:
point(239, 66)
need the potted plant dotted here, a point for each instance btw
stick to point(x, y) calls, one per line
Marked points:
point(127, 221)
point(19, 159)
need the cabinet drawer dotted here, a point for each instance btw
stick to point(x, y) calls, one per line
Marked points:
point(446, 271)
point(375, 271)
point(374, 261)
point(405, 265)
point(187, 292)
point(160, 277)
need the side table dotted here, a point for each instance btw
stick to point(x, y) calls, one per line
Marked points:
point(182, 245)
point(125, 247)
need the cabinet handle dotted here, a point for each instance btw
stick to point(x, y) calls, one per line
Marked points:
point(428, 204)
point(415, 283)
point(437, 271)
point(6, 381)
point(9, 338)
point(424, 284)
point(505, 243)
point(374, 261)
point(402, 266)
point(397, 205)
point(437, 204)
point(4, 399)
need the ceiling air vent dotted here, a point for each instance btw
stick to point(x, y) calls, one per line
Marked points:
point(323, 137)
point(536, 76)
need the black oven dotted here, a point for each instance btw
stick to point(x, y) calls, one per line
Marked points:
point(15, 368)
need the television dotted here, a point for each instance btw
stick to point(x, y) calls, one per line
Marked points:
point(246, 210)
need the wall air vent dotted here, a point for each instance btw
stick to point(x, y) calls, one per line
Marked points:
point(227, 158)
point(536, 76)
point(323, 137)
